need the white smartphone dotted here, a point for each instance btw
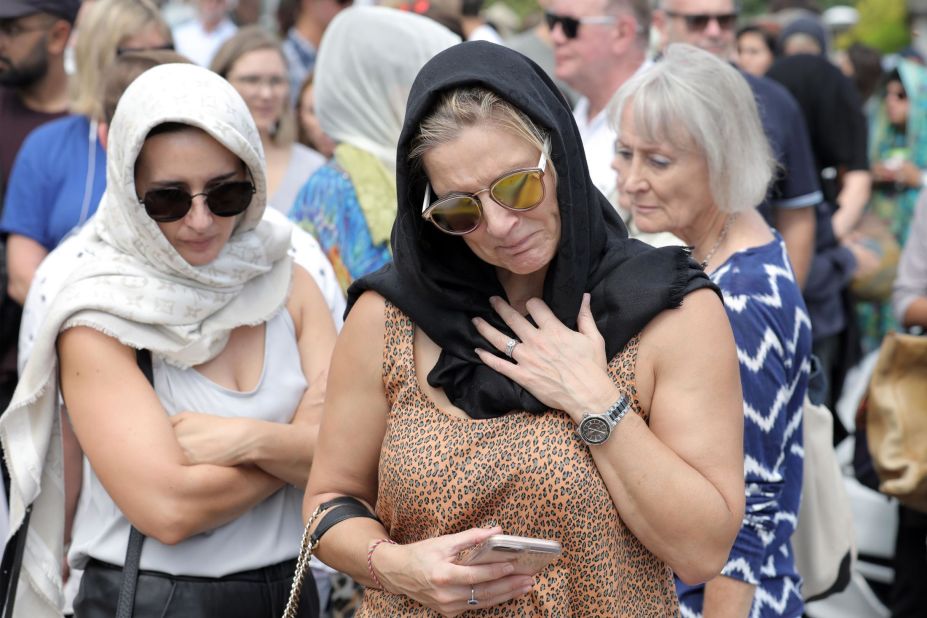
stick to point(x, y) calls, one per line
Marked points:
point(530, 556)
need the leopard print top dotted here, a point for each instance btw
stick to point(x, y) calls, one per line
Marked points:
point(440, 474)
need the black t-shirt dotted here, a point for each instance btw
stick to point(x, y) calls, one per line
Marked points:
point(16, 122)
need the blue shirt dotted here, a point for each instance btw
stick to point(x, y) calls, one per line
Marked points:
point(773, 337)
point(53, 180)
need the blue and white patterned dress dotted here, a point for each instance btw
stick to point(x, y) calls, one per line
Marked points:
point(773, 336)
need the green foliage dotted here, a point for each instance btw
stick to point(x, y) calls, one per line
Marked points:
point(882, 24)
point(522, 8)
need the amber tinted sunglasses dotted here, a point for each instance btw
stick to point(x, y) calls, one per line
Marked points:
point(460, 213)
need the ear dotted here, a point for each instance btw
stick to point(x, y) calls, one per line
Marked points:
point(58, 36)
point(103, 134)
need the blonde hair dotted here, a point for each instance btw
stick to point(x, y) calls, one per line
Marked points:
point(472, 106)
point(245, 41)
point(102, 30)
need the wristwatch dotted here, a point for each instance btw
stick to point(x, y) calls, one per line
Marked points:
point(596, 428)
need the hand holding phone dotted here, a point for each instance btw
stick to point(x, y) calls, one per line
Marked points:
point(529, 555)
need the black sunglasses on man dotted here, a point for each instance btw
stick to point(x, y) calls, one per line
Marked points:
point(570, 25)
point(697, 22)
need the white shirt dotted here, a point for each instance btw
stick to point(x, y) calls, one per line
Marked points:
point(198, 45)
point(485, 32)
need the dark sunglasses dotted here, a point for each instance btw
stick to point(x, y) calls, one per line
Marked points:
point(121, 51)
point(171, 204)
point(460, 213)
point(696, 22)
point(570, 25)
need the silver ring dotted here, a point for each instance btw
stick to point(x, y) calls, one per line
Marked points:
point(472, 600)
point(510, 346)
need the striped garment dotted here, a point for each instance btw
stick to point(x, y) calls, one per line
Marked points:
point(773, 336)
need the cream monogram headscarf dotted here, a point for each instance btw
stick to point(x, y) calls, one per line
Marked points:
point(137, 288)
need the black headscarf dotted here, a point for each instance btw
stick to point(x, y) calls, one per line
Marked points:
point(441, 285)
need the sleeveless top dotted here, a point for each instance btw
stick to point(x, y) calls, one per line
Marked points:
point(529, 473)
point(266, 534)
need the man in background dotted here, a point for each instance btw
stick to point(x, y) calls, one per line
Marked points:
point(598, 46)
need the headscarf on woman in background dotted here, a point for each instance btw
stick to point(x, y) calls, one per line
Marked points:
point(367, 61)
point(898, 152)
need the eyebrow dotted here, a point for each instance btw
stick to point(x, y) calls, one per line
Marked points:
point(170, 184)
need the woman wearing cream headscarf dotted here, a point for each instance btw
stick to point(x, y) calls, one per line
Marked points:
point(209, 461)
point(367, 61)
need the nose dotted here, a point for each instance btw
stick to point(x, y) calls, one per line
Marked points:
point(713, 29)
point(199, 217)
point(499, 220)
point(630, 177)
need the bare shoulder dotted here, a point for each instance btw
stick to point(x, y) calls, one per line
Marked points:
point(683, 341)
point(88, 345)
point(366, 323)
point(700, 317)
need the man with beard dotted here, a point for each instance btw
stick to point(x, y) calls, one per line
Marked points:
point(33, 83)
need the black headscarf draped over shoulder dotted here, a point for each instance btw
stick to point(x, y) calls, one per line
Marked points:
point(441, 285)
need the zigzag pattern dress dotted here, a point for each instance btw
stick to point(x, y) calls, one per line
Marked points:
point(773, 336)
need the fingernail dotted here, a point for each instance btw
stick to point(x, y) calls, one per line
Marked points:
point(507, 568)
point(475, 321)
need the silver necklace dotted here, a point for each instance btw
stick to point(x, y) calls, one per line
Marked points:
point(728, 222)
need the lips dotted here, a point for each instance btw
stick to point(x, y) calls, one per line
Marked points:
point(517, 246)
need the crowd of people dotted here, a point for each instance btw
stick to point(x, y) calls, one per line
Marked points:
point(385, 272)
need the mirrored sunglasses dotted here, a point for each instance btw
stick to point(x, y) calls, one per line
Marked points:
point(460, 213)
point(171, 204)
point(697, 22)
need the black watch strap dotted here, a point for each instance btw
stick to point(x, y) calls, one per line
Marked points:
point(336, 511)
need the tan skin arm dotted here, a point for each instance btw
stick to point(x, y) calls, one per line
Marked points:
point(346, 463)
point(797, 226)
point(857, 187)
point(127, 436)
point(23, 256)
point(280, 449)
point(726, 597)
point(691, 454)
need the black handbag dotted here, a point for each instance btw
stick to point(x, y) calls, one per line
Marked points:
point(12, 563)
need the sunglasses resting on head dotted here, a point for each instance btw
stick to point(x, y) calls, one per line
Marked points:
point(227, 199)
point(460, 213)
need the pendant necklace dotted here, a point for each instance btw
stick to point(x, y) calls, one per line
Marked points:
point(728, 222)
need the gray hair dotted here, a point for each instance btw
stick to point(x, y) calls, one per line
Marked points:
point(693, 99)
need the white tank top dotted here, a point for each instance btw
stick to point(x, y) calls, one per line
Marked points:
point(267, 534)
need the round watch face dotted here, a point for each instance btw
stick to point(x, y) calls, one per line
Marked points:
point(594, 430)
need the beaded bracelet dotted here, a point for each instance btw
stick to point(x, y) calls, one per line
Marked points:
point(373, 575)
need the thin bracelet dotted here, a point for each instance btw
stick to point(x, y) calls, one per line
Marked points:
point(373, 575)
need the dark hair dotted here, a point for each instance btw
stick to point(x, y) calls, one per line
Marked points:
point(471, 8)
point(867, 68)
point(768, 38)
point(125, 68)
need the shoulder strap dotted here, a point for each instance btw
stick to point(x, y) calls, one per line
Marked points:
point(12, 565)
point(126, 603)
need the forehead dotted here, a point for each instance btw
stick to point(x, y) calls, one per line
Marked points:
point(700, 6)
point(476, 157)
point(265, 60)
point(578, 8)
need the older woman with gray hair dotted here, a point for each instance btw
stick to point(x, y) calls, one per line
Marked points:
point(693, 161)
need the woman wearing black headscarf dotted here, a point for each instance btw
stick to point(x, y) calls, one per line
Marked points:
point(538, 324)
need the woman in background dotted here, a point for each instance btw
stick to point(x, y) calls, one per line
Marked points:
point(367, 61)
point(694, 161)
point(253, 62)
point(898, 153)
point(310, 133)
